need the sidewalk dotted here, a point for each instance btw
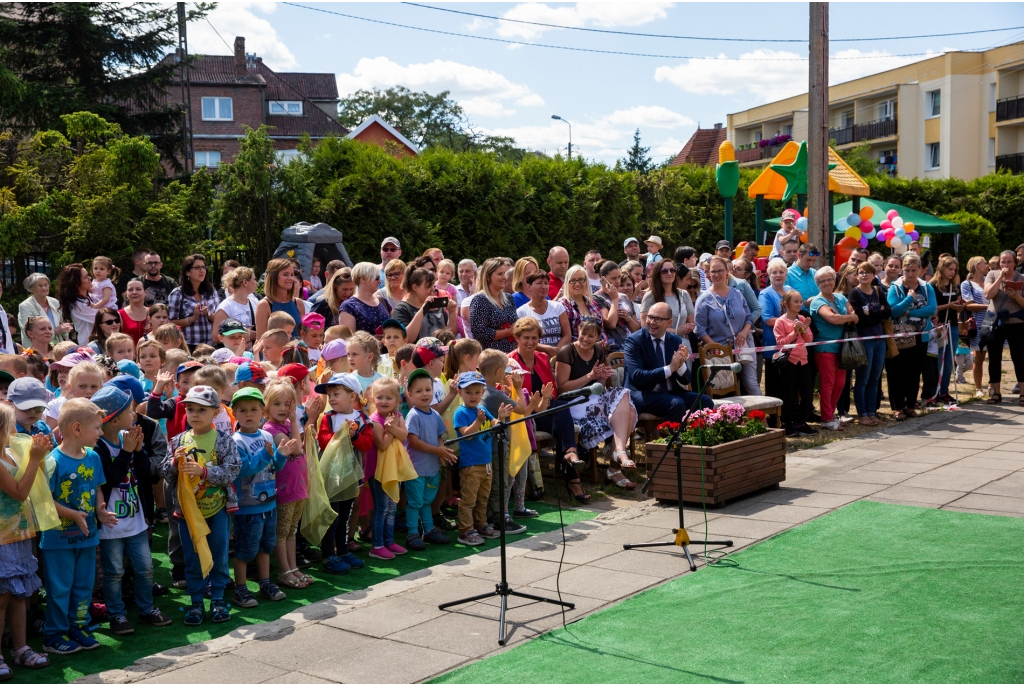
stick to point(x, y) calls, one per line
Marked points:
point(970, 460)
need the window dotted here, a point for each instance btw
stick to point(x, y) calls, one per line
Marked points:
point(991, 151)
point(887, 109)
point(846, 119)
point(787, 130)
point(217, 109)
point(210, 159)
point(933, 100)
point(285, 156)
point(932, 158)
point(290, 107)
point(991, 97)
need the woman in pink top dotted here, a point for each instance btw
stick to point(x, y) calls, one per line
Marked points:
point(796, 374)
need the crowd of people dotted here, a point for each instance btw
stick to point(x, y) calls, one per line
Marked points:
point(136, 400)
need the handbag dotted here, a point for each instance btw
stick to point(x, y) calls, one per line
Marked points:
point(852, 354)
point(907, 328)
point(744, 356)
point(891, 349)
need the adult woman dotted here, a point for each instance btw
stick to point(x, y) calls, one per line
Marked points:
point(537, 366)
point(770, 300)
point(40, 334)
point(609, 415)
point(893, 270)
point(523, 268)
point(913, 306)
point(281, 294)
point(722, 317)
point(946, 283)
point(664, 289)
point(578, 303)
point(193, 303)
point(338, 289)
point(972, 290)
point(106, 323)
point(73, 287)
point(1007, 304)
point(435, 254)
point(743, 269)
point(420, 311)
point(627, 287)
point(492, 312)
point(227, 267)
point(240, 304)
point(392, 291)
point(640, 284)
point(550, 315)
point(39, 303)
point(846, 282)
point(367, 310)
point(134, 314)
point(871, 308)
point(830, 313)
point(619, 317)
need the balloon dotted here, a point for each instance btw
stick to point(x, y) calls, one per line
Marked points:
point(863, 241)
point(899, 233)
point(801, 223)
point(870, 234)
point(803, 237)
point(852, 219)
point(866, 213)
point(897, 222)
point(891, 214)
point(805, 210)
point(888, 242)
point(908, 226)
point(841, 226)
point(914, 235)
point(848, 242)
point(899, 248)
point(866, 226)
point(886, 224)
point(853, 232)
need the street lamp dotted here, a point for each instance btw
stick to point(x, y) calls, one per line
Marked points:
point(555, 116)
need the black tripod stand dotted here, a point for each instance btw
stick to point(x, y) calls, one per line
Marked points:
point(501, 589)
point(682, 537)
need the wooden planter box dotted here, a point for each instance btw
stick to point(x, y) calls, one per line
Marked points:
point(730, 469)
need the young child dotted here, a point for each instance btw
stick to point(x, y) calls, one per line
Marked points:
point(427, 451)
point(334, 357)
point(208, 459)
point(403, 361)
point(20, 579)
point(150, 356)
point(282, 321)
point(14, 364)
point(342, 391)
point(156, 316)
point(388, 425)
point(430, 355)
point(172, 408)
point(173, 358)
point(292, 483)
point(394, 338)
point(104, 273)
point(121, 454)
point(363, 355)
point(28, 397)
point(215, 377)
point(475, 459)
point(170, 337)
point(202, 351)
point(250, 375)
point(84, 379)
point(270, 346)
point(445, 275)
point(338, 332)
point(311, 332)
point(234, 337)
point(797, 377)
point(119, 346)
point(69, 551)
point(256, 518)
point(654, 246)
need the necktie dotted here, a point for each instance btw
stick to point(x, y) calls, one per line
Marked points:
point(659, 352)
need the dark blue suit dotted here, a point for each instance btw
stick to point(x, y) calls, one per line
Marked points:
point(651, 392)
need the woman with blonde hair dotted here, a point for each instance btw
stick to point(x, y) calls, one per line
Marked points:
point(367, 309)
point(575, 298)
point(946, 283)
point(523, 268)
point(338, 288)
point(492, 312)
point(240, 299)
point(972, 291)
point(394, 275)
point(281, 291)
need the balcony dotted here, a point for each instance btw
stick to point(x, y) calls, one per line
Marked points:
point(1008, 109)
point(763, 149)
point(1012, 163)
point(880, 128)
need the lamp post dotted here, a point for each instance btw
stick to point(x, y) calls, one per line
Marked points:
point(555, 116)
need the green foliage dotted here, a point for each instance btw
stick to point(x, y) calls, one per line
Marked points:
point(977, 237)
point(638, 158)
point(861, 161)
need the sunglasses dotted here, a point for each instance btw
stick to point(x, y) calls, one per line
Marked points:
point(668, 271)
point(389, 249)
point(814, 254)
point(395, 274)
point(111, 322)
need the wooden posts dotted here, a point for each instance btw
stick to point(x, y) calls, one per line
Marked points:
point(818, 227)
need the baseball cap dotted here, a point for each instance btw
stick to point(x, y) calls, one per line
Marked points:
point(294, 372)
point(314, 320)
point(127, 366)
point(471, 378)
point(392, 323)
point(392, 240)
point(26, 393)
point(238, 361)
point(721, 244)
point(72, 358)
point(424, 354)
point(222, 355)
point(790, 214)
point(336, 349)
point(418, 373)
point(111, 401)
point(231, 327)
point(4, 376)
point(629, 240)
point(345, 380)
point(203, 395)
point(190, 365)
point(706, 257)
point(247, 394)
point(250, 372)
point(130, 385)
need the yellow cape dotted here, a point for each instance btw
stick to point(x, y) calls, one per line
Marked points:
point(519, 443)
point(394, 467)
point(317, 515)
point(198, 529)
point(339, 466)
point(40, 498)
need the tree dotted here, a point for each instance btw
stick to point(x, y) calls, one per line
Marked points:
point(860, 160)
point(637, 158)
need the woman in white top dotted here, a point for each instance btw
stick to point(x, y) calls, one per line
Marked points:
point(664, 289)
point(240, 301)
point(39, 303)
point(551, 315)
point(73, 287)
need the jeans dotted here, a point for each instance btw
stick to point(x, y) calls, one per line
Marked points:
point(69, 575)
point(419, 495)
point(865, 392)
point(831, 386)
point(383, 518)
point(112, 554)
point(336, 538)
point(217, 540)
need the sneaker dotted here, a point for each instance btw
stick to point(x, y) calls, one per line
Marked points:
point(156, 618)
point(489, 532)
point(181, 584)
point(160, 516)
point(524, 514)
point(160, 590)
point(814, 417)
point(243, 599)
point(120, 625)
point(471, 538)
point(353, 561)
point(445, 523)
point(364, 535)
point(437, 537)
point(311, 554)
point(302, 561)
point(415, 543)
point(272, 592)
point(353, 547)
point(219, 610)
point(396, 549)
point(194, 616)
point(833, 425)
point(845, 418)
point(335, 564)
point(513, 528)
point(804, 429)
point(84, 638)
point(61, 644)
point(793, 433)
point(382, 553)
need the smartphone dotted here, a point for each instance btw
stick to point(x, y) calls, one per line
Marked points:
point(439, 303)
point(1014, 285)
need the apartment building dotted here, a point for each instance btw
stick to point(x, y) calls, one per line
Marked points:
point(957, 115)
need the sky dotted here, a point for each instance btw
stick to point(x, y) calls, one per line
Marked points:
point(510, 85)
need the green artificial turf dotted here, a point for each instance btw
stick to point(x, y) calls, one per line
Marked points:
point(870, 593)
point(118, 652)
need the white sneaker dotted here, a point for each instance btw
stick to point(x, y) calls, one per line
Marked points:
point(831, 425)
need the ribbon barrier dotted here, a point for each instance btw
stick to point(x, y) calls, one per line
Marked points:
point(777, 348)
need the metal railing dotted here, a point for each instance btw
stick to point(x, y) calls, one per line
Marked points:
point(880, 128)
point(1010, 108)
point(1013, 163)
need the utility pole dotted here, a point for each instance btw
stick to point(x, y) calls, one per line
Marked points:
point(188, 152)
point(819, 232)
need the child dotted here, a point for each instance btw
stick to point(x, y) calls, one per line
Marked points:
point(388, 425)
point(653, 251)
point(53, 382)
point(256, 519)
point(292, 484)
point(150, 356)
point(338, 332)
point(69, 551)
point(173, 358)
point(250, 375)
point(282, 321)
point(119, 346)
point(234, 337)
point(311, 332)
point(271, 345)
point(28, 396)
point(121, 454)
point(14, 364)
point(797, 376)
point(209, 460)
point(475, 459)
point(403, 361)
point(295, 352)
point(214, 377)
point(84, 379)
point(20, 579)
point(202, 351)
point(156, 316)
point(342, 391)
point(430, 355)
point(170, 337)
point(334, 357)
point(964, 360)
point(394, 337)
point(445, 274)
point(103, 274)
point(427, 452)
point(363, 355)
point(172, 408)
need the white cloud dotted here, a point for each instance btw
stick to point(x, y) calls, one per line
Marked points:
point(480, 91)
point(669, 146)
point(582, 14)
point(648, 117)
point(239, 19)
point(477, 24)
point(771, 74)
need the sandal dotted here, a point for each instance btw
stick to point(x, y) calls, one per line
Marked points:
point(624, 461)
point(1020, 401)
point(996, 398)
point(292, 579)
point(912, 414)
point(900, 416)
point(619, 480)
point(5, 671)
point(28, 658)
point(576, 463)
point(306, 578)
point(583, 498)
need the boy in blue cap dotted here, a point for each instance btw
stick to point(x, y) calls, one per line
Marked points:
point(28, 395)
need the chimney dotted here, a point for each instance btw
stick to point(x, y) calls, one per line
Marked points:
point(240, 69)
point(718, 126)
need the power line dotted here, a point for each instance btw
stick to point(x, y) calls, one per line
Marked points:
point(705, 38)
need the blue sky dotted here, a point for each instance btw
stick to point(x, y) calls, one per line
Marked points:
point(513, 89)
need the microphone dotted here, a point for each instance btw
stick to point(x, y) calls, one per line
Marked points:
point(735, 367)
point(585, 391)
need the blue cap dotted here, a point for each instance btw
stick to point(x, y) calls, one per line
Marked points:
point(129, 367)
point(392, 323)
point(471, 378)
point(130, 385)
point(111, 401)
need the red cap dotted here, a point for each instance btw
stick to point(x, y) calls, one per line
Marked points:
point(296, 372)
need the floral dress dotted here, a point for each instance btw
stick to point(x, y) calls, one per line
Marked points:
point(576, 317)
point(593, 416)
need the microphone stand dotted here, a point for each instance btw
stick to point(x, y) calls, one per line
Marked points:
point(501, 589)
point(682, 538)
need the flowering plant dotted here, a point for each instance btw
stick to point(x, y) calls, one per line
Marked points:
point(714, 426)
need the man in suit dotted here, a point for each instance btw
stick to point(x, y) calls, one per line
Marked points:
point(656, 368)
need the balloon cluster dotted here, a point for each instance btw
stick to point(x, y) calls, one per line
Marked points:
point(897, 233)
point(858, 226)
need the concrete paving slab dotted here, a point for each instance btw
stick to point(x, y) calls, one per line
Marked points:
point(904, 494)
point(386, 661)
point(953, 477)
point(466, 633)
point(867, 475)
point(294, 650)
point(1010, 486)
point(224, 668)
point(520, 571)
point(386, 617)
point(769, 511)
point(1009, 505)
point(837, 487)
point(599, 583)
point(579, 552)
point(748, 528)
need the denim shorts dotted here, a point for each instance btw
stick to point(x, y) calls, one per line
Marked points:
point(255, 533)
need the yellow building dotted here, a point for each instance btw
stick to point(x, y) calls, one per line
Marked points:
point(958, 115)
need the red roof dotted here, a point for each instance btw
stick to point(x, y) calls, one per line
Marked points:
point(702, 147)
point(313, 86)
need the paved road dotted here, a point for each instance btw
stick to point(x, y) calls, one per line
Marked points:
point(971, 460)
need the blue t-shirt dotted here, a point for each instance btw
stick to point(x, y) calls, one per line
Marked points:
point(826, 330)
point(520, 299)
point(476, 450)
point(39, 427)
point(771, 308)
point(75, 484)
point(429, 427)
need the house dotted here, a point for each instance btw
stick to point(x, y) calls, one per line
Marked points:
point(702, 147)
point(379, 132)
